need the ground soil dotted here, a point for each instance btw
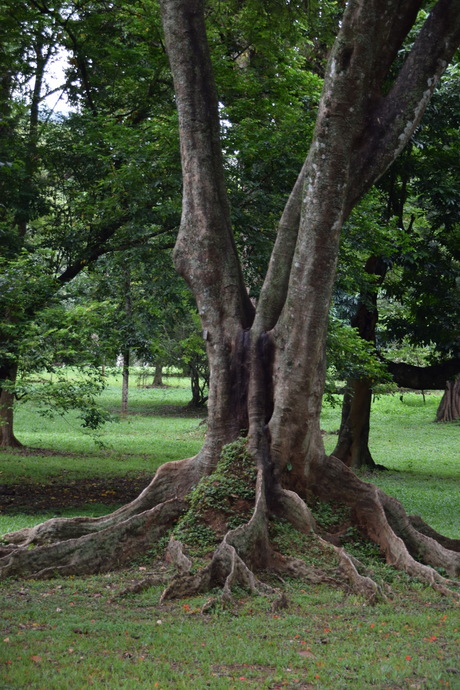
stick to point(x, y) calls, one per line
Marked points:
point(56, 495)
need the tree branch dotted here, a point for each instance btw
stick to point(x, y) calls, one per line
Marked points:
point(205, 252)
point(396, 116)
point(433, 377)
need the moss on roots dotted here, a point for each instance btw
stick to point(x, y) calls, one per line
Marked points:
point(220, 502)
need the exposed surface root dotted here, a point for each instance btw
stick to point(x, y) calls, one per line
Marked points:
point(293, 508)
point(86, 545)
point(175, 554)
point(427, 548)
point(232, 563)
point(421, 526)
point(360, 584)
point(99, 552)
point(174, 479)
point(385, 522)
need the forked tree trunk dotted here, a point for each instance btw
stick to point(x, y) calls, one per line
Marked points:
point(267, 366)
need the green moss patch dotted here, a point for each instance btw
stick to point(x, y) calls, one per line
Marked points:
point(221, 501)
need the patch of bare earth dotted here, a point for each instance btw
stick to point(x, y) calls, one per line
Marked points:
point(58, 495)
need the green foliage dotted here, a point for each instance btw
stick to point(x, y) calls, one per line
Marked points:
point(221, 501)
point(268, 98)
point(329, 516)
point(288, 541)
point(77, 185)
point(350, 356)
point(61, 394)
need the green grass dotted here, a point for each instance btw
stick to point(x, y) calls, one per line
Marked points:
point(70, 634)
point(76, 633)
point(158, 429)
point(423, 458)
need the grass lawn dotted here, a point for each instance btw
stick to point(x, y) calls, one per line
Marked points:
point(79, 633)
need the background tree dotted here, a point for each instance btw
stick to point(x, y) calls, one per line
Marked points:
point(79, 186)
point(410, 272)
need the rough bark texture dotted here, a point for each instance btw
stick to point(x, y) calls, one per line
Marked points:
point(267, 365)
point(449, 407)
point(7, 437)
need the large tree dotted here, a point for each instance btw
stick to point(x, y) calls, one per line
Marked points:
point(267, 361)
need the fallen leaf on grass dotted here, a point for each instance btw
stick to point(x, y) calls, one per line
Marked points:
point(36, 659)
point(306, 653)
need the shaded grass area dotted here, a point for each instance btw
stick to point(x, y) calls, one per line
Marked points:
point(76, 633)
point(159, 428)
point(65, 471)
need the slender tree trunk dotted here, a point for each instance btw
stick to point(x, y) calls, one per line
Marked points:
point(353, 442)
point(127, 312)
point(7, 437)
point(125, 383)
point(158, 375)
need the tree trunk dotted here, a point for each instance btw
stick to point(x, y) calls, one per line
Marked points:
point(353, 442)
point(127, 312)
point(267, 365)
point(158, 376)
point(125, 383)
point(7, 437)
point(449, 407)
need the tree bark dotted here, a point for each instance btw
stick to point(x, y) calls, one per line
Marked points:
point(7, 436)
point(449, 407)
point(158, 376)
point(353, 442)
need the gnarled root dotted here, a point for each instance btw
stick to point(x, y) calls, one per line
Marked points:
point(85, 545)
point(174, 479)
point(427, 548)
point(240, 551)
point(421, 527)
point(385, 522)
point(360, 584)
point(98, 552)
